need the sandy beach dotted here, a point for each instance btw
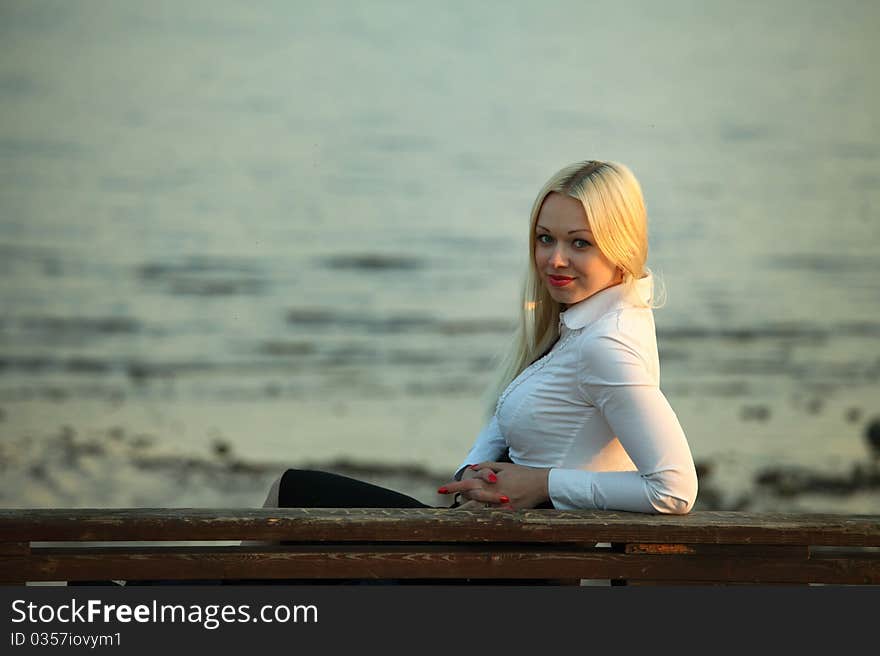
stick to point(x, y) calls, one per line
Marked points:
point(200, 455)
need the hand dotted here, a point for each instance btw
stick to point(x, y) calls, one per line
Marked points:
point(475, 489)
point(526, 487)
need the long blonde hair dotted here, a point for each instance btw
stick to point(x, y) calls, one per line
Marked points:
point(614, 206)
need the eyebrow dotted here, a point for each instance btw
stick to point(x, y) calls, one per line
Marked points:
point(569, 232)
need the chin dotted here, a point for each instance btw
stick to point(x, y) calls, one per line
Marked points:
point(562, 296)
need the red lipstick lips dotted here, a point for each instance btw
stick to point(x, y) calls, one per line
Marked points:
point(559, 281)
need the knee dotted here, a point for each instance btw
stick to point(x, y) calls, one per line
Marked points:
point(272, 496)
point(297, 479)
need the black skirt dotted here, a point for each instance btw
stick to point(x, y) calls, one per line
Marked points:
point(307, 488)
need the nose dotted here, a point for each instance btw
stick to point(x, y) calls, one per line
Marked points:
point(558, 259)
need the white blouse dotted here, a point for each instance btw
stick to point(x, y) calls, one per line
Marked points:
point(592, 411)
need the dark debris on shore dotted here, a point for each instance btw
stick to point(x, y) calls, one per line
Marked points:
point(113, 467)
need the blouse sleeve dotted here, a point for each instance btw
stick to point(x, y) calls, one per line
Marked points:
point(616, 380)
point(490, 445)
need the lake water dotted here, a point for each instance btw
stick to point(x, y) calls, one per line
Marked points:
point(300, 227)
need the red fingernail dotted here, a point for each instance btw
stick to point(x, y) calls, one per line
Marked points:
point(505, 499)
point(493, 478)
point(443, 490)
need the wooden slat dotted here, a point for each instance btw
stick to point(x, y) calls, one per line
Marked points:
point(730, 550)
point(14, 548)
point(436, 525)
point(434, 561)
point(12, 562)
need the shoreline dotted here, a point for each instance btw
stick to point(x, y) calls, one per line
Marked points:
point(115, 468)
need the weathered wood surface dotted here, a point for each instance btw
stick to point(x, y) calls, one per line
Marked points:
point(431, 561)
point(732, 550)
point(436, 525)
point(14, 548)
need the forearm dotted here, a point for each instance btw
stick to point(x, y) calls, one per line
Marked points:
point(669, 491)
point(489, 445)
point(665, 480)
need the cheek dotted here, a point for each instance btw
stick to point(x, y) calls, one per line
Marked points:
point(584, 263)
point(595, 260)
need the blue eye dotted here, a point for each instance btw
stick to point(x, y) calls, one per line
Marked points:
point(544, 239)
point(581, 243)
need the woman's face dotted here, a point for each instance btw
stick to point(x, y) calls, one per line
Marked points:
point(566, 256)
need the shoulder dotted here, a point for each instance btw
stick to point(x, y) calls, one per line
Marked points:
point(629, 327)
point(618, 348)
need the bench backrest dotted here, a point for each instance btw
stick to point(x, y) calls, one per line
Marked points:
point(704, 546)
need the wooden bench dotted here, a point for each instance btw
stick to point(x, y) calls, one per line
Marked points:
point(702, 547)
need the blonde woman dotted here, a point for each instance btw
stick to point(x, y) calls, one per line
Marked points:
point(577, 418)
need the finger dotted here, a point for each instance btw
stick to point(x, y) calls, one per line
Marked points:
point(473, 472)
point(484, 495)
point(487, 475)
point(461, 486)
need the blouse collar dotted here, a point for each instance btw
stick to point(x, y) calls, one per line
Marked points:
point(591, 308)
